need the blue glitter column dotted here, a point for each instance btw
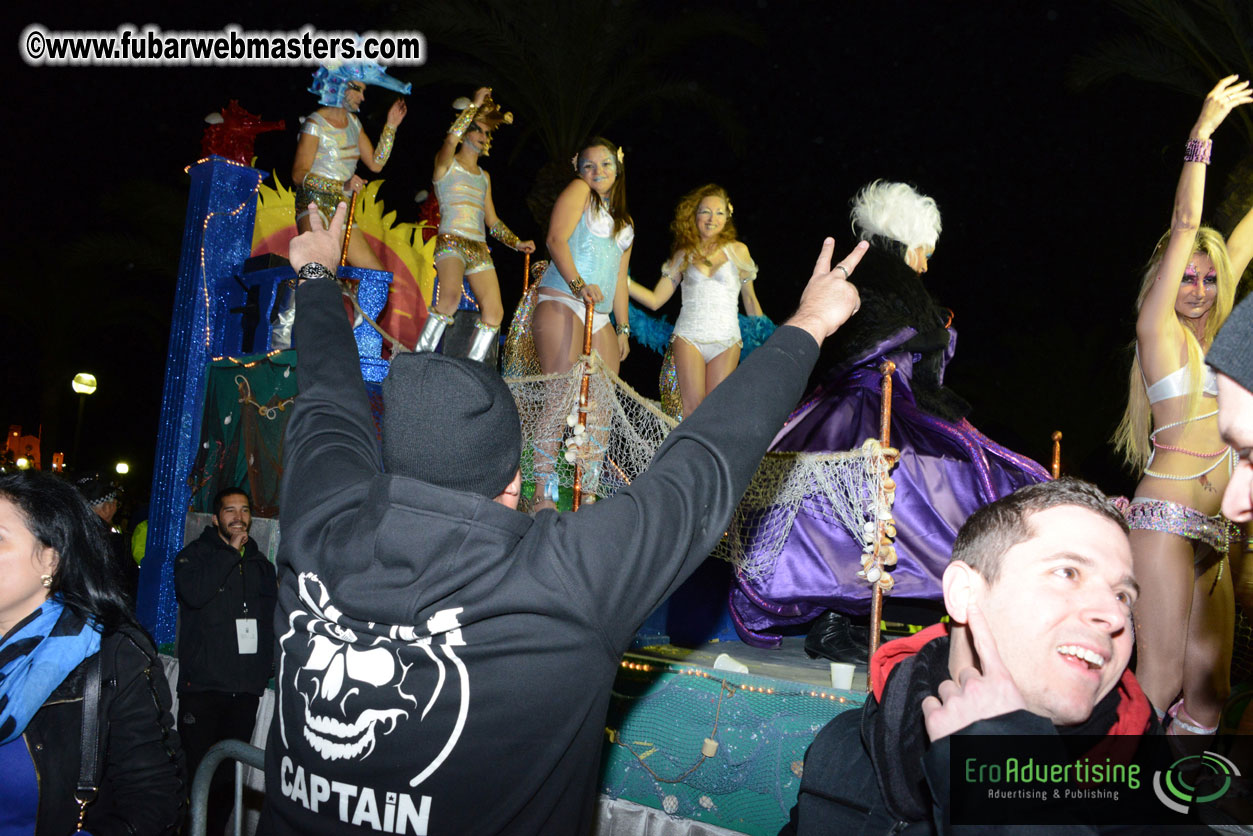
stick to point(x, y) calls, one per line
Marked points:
point(372, 289)
point(217, 238)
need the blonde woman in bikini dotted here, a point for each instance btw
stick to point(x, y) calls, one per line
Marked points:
point(1169, 433)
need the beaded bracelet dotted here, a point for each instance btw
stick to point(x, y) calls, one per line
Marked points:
point(1198, 151)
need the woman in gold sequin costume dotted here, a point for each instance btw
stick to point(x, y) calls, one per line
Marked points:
point(332, 143)
point(1185, 613)
point(464, 191)
point(714, 269)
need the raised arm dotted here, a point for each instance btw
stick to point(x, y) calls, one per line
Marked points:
point(627, 553)
point(671, 276)
point(1155, 324)
point(566, 213)
point(443, 158)
point(330, 441)
point(1240, 245)
point(376, 159)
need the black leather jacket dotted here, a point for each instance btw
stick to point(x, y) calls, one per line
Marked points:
point(142, 776)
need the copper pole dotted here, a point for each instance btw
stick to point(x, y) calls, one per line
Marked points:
point(1057, 453)
point(526, 273)
point(583, 386)
point(352, 211)
point(876, 596)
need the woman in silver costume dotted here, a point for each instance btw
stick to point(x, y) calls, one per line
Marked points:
point(332, 143)
point(464, 191)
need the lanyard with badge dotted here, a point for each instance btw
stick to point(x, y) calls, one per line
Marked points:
point(245, 627)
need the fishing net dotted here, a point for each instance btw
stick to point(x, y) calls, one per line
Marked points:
point(614, 444)
point(849, 489)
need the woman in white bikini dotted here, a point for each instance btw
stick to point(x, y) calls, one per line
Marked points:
point(1169, 433)
point(715, 270)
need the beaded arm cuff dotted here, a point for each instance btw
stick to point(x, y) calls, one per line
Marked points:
point(577, 285)
point(1198, 151)
point(384, 149)
point(317, 182)
point(463, 120)
point(504, 235)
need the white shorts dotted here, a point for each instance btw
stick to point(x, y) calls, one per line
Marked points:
point(710, 350)
point(599, 320)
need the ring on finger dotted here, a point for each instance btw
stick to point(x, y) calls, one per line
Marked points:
point(842, 269)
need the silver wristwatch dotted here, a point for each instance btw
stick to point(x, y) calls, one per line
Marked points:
point(313, 270)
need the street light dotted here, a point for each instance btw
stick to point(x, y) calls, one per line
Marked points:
point(84, 383)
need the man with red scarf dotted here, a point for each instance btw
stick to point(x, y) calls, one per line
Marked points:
point(1040, 592)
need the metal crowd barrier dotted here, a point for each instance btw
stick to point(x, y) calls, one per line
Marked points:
point(240, 752)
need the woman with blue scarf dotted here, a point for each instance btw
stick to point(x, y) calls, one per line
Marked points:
point(67, 640)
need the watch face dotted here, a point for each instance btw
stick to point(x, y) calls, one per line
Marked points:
point(314, 271)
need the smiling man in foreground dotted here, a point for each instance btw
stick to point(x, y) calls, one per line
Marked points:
point(1040, 591)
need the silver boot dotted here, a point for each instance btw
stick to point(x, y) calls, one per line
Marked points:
point(433, 330)
point(283, 317)
point(484, 336)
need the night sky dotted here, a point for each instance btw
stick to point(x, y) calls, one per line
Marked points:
point(1052, 197)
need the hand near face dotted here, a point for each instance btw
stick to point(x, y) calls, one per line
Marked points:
point(238, 539)
point(1227, 95)
point(480, 95)
point(319, 245)
point(974, 696)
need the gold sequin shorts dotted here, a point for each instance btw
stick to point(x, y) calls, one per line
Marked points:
point(473, 254)
point(326, 202)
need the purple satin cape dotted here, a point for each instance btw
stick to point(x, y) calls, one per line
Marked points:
point(946, 472)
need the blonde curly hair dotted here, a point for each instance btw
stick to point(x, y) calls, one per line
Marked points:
point(683, 229)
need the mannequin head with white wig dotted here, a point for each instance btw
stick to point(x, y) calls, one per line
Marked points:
point(896, 217)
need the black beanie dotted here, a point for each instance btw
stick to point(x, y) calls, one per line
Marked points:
point(451, 422)
point(1232, 351)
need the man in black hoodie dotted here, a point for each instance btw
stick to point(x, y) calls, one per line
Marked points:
point(446, 662)
point(226, 594)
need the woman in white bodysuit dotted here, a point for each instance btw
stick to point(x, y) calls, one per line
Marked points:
point(714, 270)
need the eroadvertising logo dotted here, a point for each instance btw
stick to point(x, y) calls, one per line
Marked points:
point(1194, 779)
point(1079, 779)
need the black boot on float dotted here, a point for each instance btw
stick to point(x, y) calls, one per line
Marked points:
point(834, 637)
